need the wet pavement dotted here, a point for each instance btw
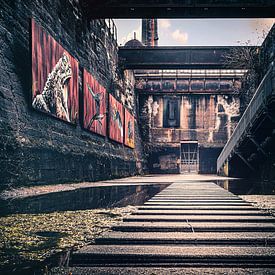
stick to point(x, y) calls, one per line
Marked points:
point(186, 218)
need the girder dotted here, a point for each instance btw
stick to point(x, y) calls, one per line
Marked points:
point(173, 57)
point(180, 9)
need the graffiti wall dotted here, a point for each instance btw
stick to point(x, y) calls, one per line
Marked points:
point(54, 77)
point(129, 130)
point(116, 120)
point(94, 105)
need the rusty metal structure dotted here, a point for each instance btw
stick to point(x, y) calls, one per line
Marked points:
point(253, 138)
point(187, 98)
point(150, 32)
point(179, 9)
point(174, 57)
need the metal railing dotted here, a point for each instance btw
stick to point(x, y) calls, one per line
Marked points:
point(263, 92)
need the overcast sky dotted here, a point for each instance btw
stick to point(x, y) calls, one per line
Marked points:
point(200, 32)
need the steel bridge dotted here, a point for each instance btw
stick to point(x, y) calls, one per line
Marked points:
point(179, 8)
point(253, 137)
point(174, 57)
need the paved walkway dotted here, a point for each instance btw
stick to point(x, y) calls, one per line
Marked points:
point(24, 192)
point(190, 225)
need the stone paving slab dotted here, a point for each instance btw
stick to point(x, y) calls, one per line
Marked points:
point(217, 238)
point(181, 251)
point(162, 202)
point(185, 198)
point(202, 212)
point(196, 218)
point(182, 202)
point(165, 271)
point(227, 200)
point(194, 227)
point(197, 207)
point(126, 255)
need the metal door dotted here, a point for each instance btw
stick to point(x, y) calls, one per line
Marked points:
point(189, 157)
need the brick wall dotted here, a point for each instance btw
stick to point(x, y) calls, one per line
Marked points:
point(39, 149)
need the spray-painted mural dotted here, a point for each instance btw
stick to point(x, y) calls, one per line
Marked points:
point(94, 101)
point(116, 120)
point(129, 129)
point(54, 77)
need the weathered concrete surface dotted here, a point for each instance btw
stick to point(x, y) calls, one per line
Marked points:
point(201, 238)
point(201, 212)
point(236, 235)
point(23, 192)
point(162, 271)
point(195, 226)
point(197, 218)
point(202, 207)
point(126, 255)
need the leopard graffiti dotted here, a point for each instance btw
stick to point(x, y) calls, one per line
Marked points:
point(54, 97)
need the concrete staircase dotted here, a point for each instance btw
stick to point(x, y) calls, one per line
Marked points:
point(188, 227)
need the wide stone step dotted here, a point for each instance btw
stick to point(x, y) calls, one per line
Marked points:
point(136, 270)
point(196, 207)
point(225, 202)
point(201, 212)
point(203, 195)
point(194, 227)
point(167, 203)
point(196, 218)
point(231, 238)
point(189, 198)
point(149, 255)
point(196, 193)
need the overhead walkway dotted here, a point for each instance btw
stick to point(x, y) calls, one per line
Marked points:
point(174, 57)
point(252, 138)
point(179, 8)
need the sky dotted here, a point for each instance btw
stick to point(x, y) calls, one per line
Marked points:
point(200, 32)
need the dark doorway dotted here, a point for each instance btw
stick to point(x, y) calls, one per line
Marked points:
point(189, 157)
point(171, 116)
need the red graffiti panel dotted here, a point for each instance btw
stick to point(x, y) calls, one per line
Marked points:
point(129, 131)
point(116, 120)
point(54, 77)
point(94, 101)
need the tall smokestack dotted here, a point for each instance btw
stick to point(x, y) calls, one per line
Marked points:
point(150, 32)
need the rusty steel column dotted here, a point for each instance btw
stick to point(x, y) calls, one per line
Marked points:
point(150, 32)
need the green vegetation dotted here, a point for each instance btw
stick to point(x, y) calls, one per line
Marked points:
point(27, 240)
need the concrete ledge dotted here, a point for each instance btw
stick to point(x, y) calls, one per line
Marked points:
point(194, 218)
point(123, 255)
point(217, 238)
point(194, 227)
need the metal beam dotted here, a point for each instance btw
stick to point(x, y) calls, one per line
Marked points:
point(244, 160)
point(257, 145)
point(179, 8)
point(173, 57)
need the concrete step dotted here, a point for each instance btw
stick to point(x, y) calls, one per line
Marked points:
point(196, 218)
point(166, 238)
point(194, 227)
point(189, 198)
point(123, 270)
point(197, 207)
point(192, 256)
point(201, 212)
point(237, 202)
point(196, 193)
point(179, 203)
